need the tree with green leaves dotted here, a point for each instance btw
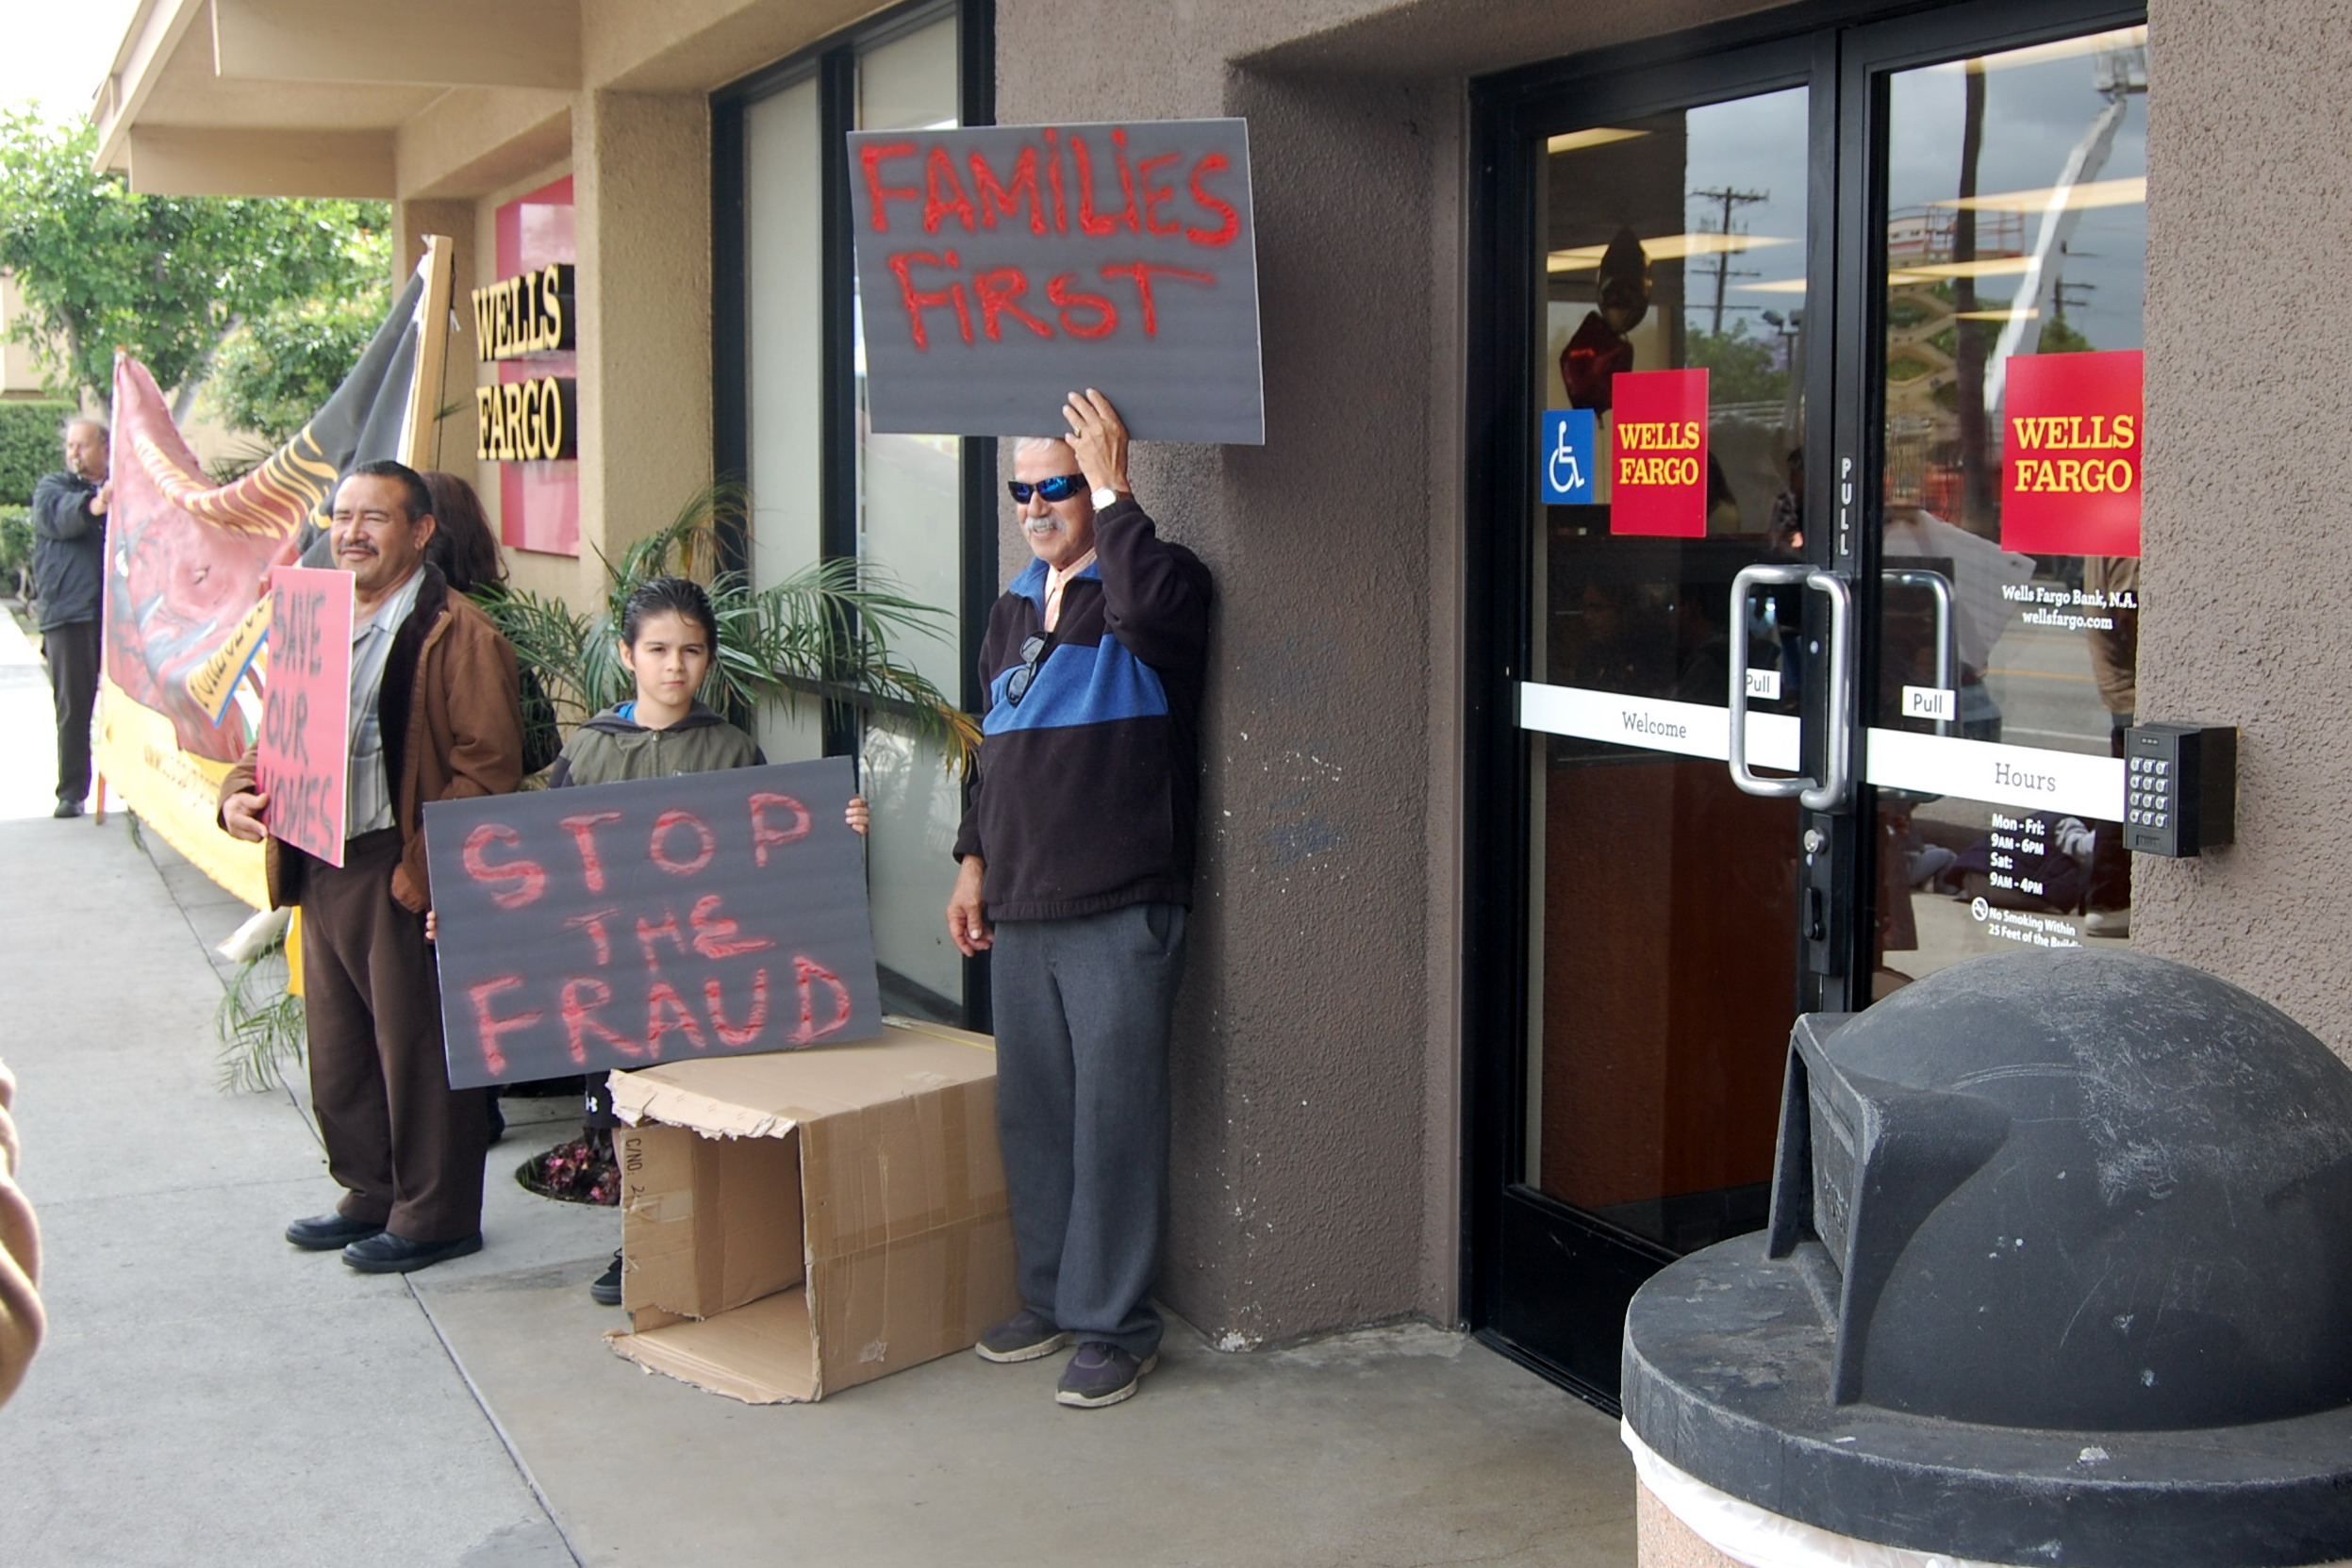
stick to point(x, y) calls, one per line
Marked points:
point(174, 278)
point(273, 372)
point(1740, 367)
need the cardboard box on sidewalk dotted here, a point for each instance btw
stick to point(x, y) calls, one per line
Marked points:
point(801, 1222)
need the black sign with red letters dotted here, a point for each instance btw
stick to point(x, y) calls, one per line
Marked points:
point(620, 925)
point(1004, 267)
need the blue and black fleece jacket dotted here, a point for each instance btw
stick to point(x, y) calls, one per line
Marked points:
point(1089, 786)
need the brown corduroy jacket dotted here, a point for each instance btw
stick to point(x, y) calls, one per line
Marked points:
point(452, 719)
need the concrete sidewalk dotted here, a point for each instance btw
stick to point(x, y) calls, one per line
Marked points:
point(209, 1394)
point(28, 764)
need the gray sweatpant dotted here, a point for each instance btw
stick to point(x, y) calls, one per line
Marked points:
point(1081, 1023)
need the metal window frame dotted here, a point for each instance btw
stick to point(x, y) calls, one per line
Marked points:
point(831, 63)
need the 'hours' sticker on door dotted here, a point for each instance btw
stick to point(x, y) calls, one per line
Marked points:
point(2069, 783)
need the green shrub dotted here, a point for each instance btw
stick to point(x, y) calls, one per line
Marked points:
point(29, 446)
point(825, 634)
point(16, 545)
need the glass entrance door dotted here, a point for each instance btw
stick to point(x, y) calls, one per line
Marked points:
point(1813, 488)
point(2011, 223)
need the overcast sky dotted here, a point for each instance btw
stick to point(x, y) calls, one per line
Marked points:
point(2034, 116)
point(56, 50)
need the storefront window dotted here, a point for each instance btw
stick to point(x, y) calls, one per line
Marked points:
point(909, 512)
point(539, 503)
point(784, 338)
point(822, 484)
point(2017, 242)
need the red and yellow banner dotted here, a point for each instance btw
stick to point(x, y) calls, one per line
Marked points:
point(187, 570)
point(184, 564)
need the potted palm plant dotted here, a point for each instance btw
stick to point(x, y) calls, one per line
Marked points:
point(828, 634)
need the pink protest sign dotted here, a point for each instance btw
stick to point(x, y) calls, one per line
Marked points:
point(304, 756)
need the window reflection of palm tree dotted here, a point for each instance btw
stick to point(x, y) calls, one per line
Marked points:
point(1977, 510)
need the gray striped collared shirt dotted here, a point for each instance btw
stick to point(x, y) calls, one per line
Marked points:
point(370, 805)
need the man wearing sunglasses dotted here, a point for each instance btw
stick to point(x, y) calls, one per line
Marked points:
point(1076, 871)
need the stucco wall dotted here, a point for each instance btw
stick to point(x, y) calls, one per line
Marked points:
point(1304, 1031)
point(641, 195)
point(2248, 527)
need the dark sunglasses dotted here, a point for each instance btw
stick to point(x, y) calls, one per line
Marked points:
point(1060, 487)
point(1031, 652)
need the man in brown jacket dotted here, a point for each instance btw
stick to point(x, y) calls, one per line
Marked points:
point(435, 716)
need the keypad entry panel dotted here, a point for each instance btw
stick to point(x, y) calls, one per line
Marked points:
point(2182, 788)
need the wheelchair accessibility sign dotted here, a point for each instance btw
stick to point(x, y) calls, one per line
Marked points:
point(1566, 458)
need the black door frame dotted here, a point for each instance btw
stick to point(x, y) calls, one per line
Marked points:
point(1542, 1282)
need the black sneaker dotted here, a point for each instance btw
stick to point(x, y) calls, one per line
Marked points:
point(1101, 1375)
point(1023, 1337)
point(606, 1291)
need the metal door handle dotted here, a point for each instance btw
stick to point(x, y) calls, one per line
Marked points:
point(1837, 770)
point(1947, 659)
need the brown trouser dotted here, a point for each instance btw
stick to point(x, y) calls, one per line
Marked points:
point(407, 1147)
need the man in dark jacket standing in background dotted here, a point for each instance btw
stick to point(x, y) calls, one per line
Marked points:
point(1076, 870)
point(69, 565)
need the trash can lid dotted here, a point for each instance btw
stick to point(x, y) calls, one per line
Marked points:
point(2042, 1223)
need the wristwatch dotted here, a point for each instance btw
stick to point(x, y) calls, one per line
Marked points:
point(1104, 497)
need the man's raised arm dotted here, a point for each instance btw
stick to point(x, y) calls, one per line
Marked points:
point(1155, 595)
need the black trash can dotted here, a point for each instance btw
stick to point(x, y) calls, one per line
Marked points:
point(2059, 1271)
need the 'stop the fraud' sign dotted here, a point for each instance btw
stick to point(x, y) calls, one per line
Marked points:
point(620, 925)
point(1001, 269)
